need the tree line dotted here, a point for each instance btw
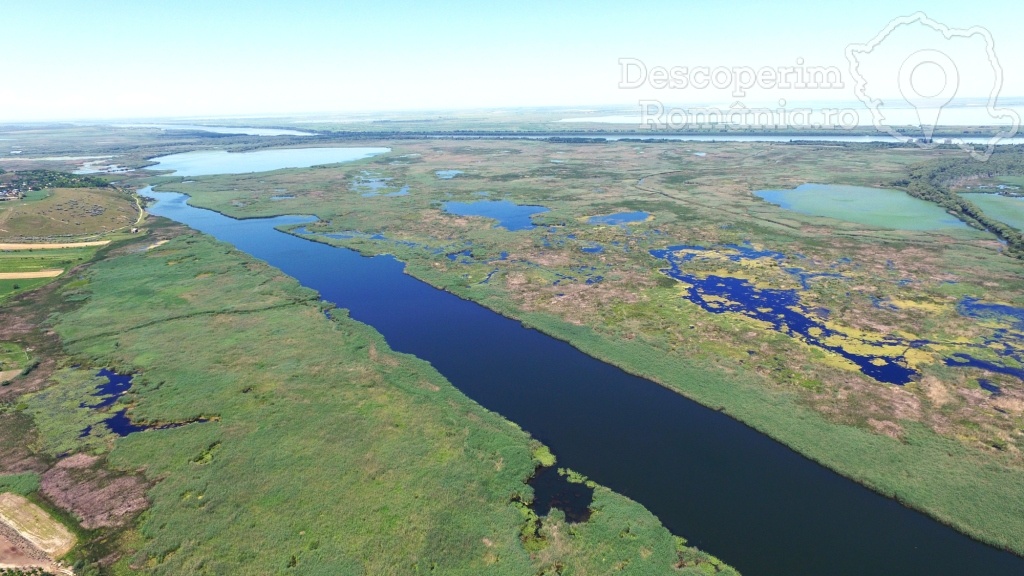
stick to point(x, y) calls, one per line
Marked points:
point(933, 181)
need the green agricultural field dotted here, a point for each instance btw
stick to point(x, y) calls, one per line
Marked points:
point(30, 269)
point(599, 287)
point(34, 230)
point(1006, 209)
point(316, 447)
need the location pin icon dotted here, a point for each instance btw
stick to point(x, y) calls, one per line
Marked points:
point(926, 100)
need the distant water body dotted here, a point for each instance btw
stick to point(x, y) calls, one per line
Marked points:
point(207, 162)
point(241, 130)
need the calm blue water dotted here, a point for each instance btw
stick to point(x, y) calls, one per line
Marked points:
point(728, 489)
point(447, 174)
point(121, 425)
point(510, 216)
point(990, 387)
point(115, 386)
point(221, 162)
point(619, 218)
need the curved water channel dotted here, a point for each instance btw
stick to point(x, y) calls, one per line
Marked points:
point(727, 488)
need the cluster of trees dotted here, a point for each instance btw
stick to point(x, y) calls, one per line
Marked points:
point(933, 182)
point(26, 180)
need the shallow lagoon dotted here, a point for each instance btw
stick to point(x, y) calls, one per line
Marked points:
point(208, 162)
point(619, 218)
point(870, 206)
point(510, 216)
point(1006, 209)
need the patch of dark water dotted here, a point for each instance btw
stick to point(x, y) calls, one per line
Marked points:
point(554, 490)
point(115, 387)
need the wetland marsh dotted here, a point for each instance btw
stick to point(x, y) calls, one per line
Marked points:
point(589, 300)
point(616, 428)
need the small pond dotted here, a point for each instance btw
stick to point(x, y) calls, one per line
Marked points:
point(510, 216)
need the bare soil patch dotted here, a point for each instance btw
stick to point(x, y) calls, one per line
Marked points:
point(97, 496)
point(33, 524)
point(19, 554)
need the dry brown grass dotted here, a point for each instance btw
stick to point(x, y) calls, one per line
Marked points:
point(97, 496)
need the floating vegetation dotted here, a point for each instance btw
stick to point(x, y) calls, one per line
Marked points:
point(1006, 341)
point(884, 359)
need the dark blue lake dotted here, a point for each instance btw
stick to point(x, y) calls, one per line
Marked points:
point(510, 216)
point(727, 488)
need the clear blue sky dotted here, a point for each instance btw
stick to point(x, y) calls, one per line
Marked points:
point(70, 59)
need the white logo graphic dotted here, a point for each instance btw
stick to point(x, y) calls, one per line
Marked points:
point(935, 64)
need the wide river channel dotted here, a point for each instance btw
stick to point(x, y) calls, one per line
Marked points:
point(725, 487)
